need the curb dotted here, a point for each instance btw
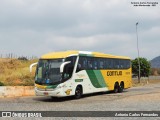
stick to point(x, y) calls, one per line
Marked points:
point(16, 91)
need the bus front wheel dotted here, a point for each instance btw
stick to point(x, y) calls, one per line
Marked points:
point(78, 92)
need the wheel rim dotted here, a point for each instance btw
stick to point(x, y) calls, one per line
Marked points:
point(78, 93)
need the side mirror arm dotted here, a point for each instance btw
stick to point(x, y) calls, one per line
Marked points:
point(30, 67)
point(62, 66)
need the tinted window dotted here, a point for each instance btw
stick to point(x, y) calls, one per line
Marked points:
point(68, 69)
point(94, 63)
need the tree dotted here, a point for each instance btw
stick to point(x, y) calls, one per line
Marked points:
point(23, 58)
point(144, 67)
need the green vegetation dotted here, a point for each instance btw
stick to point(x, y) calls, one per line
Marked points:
point(145, 67)
point(14, 72)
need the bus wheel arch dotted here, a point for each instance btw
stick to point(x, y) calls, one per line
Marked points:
point(116, 87)
point(78, 91)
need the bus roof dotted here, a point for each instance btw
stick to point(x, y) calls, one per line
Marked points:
point(64, 54)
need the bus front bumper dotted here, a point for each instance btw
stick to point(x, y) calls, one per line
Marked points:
point(54, 93)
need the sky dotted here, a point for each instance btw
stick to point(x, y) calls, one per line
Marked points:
point(36, 27)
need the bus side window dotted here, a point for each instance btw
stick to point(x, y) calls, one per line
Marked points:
point(82, 64)
point(79, 65)
point(110, 63)
point(127, 62)
point(101, 64)
point(89, 65)
point(95, 64)
point(68, 69)
point(121, 64)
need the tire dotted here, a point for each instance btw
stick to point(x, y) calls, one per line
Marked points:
point(121, 87)
point(53, 98)
point(116, 87)
point(78, 92)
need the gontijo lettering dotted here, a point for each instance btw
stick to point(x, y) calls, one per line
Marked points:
point(114, 73)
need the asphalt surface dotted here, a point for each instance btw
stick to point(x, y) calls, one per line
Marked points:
point(144, 98)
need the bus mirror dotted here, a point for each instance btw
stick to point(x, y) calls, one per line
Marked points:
point(62, 66)
point(30, 67)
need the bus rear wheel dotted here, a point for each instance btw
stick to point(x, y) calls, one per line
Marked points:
point(78, 92)
point(116, 87)
point(121, 87)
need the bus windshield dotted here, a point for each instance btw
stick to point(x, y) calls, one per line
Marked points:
point(48, 71)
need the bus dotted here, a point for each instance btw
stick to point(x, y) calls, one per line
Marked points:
point(75, 73)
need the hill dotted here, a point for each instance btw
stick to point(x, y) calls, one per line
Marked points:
point(15, 72)
point(155, 63)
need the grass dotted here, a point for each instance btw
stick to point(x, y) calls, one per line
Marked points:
point(15, 72)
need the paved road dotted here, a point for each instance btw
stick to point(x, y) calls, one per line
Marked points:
point(137, 98)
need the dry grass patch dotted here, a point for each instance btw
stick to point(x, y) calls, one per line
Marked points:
point(15, 72)
point(144, 82)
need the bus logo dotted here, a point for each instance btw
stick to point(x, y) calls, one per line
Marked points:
point(114, 73)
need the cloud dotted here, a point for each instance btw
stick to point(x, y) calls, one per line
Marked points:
point(37, 27)
point(103, 43)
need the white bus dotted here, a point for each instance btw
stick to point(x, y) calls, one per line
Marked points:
point(74, 73)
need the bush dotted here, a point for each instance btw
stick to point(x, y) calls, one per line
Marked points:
point(15, 72)
point(1, 84)
point(23, 58)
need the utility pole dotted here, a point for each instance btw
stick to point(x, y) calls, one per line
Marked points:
point(139, 75)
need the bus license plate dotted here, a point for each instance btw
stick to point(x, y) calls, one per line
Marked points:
point(45, 93)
